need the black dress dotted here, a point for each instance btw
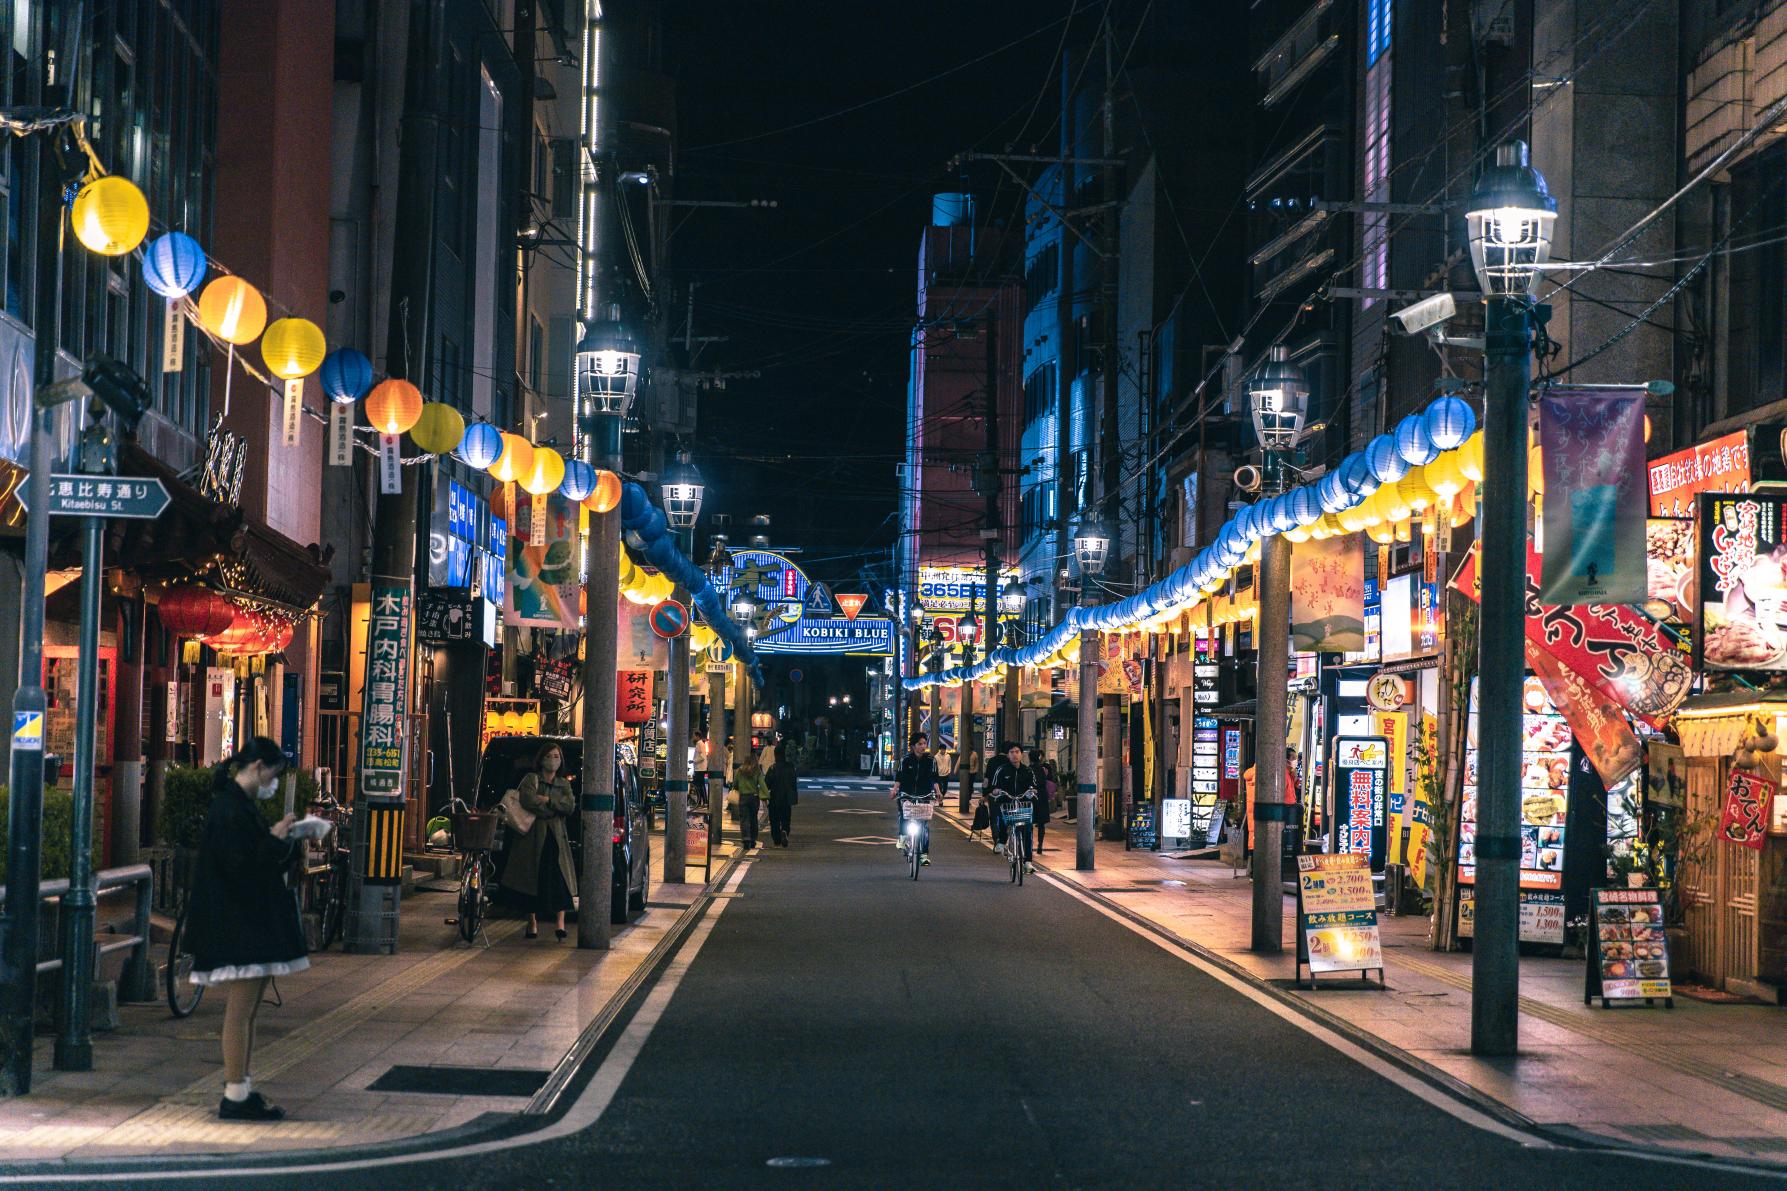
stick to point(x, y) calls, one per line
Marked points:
point(243, 924)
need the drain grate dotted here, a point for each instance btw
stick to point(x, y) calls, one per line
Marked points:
point(461, 1081)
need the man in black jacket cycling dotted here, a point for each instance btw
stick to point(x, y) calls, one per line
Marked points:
point(917, 779)
point(1016, 780)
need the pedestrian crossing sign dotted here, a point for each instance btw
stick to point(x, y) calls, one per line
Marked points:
point(27, 730)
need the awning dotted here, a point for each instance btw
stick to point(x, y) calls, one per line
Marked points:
point(1410, 666)
point(1713, 725)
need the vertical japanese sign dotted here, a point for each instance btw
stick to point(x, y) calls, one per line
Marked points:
point(633, 696)
point(1361, 780)
point(1593, 445)
point(1743, 582)
point(1328, 595)
point(385, 705)
point(1748, 797)
point(1393, 726)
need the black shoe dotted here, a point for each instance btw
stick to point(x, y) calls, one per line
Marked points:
point(559, 935)
point(532, 933)
point(254, 1108)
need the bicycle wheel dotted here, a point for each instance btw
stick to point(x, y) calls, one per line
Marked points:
point(182, 994)
point(471, 899)
point(335, 904)
point(915, 856)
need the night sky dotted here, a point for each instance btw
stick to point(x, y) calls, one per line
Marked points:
point(819, 293)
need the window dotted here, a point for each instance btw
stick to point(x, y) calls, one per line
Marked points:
point(1377, 29)
point(1374, 226)
point(536, 353)
point(1041, 275)
point(1039, 394)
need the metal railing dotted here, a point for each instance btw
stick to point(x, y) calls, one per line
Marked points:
point(137, 982)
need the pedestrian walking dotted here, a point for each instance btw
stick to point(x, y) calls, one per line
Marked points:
point(1045, 794)
point(752, 789)
point(541, 874)
point(783, 795)
point(244, 927)
point(946, 768)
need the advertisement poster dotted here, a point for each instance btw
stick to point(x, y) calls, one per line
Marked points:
point(1339, 912)
point(1743, 583)
point(1592, 443)
point(1748, 797)
point(1619, 651)
point(1669, 560)
point(1598, 725)
point(386, 701)
point(1393, 726)
point(1665, 775)
point(1631, 952)
point(1541, 916)
point(1328, 595)
point(1722, 465)
point(1544, 792)
point(542, 589)
point(633, 696)
point(1361, 792)
point(1420, 839)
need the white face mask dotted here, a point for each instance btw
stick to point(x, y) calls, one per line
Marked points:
point(267, 789)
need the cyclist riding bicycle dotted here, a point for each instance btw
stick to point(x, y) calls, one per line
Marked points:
point(1014, 781)
point(917, 779)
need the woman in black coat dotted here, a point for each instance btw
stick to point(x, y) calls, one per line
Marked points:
point(243, 925)
point(783, 794)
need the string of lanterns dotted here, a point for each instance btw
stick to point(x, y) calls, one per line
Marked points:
point(1427, 466)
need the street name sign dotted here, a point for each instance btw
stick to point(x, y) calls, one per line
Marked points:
point(135, 497)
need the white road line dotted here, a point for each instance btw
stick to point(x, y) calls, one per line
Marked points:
point(587, 1110)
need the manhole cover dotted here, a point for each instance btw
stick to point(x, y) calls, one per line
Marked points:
point(796, 1163)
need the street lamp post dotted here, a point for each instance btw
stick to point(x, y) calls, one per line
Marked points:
point(1278, 396)
point(1510, 218)
point(682, 492)
point(967, 735)
point(606, 376)
point(1091, 545)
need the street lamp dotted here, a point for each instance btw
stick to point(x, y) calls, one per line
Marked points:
point(1510, 217)
point(1091, 546)
point(604, 381)
point(1278, 396)
point(682, 488)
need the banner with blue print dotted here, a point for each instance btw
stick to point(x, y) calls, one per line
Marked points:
point(1595, 496)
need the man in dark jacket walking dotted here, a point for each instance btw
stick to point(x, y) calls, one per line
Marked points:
point(783, 794)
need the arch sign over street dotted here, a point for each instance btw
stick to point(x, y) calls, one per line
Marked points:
point(795, 615)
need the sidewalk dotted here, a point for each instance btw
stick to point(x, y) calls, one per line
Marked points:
point(1702, 1078)
point(514, 1008)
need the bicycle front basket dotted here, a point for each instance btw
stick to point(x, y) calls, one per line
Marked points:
point(918, 810)
point(475, 831)
point(1019, 814)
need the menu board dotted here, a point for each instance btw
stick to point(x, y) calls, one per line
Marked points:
point(1544, 792)
point(1361, 785)
point(1206, 769)
point(1541, 916)
point(1628, 956)
point(1141, 835)
point(1176, 820)
point(1337, 915)
point(1743, 583)
point(1669, 565)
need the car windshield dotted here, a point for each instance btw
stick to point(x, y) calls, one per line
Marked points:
point(508, 759)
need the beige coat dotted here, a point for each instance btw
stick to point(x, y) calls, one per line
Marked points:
point(552, 805)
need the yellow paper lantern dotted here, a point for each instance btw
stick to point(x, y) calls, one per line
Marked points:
point(232, 310)
point(293, 347)
point(1444, 477)
point(1415, 490)
point(1464, 506)
point(1405, 529)
point(545, 474)
point(1470, 457)
point(1392, 504)
point(393, 406)
point(605, 496)
point(438, 429)
point(511, 722)
point(110, 216)
point(1371, 509)
point(530, 723)
point(1352, 520)
point(516, 460)
point(1297, 533)
point(493, 722)
point(1535, 471)
point(1383, 533)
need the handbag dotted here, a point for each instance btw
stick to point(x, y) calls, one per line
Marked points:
point(518, 817)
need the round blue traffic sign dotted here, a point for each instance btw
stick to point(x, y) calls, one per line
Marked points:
point(669, 619)
point(795, 675)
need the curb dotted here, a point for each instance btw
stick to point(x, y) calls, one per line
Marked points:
point(1570, 1137)
point(569, 1075)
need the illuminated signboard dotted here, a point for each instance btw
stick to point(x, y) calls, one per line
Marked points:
point(1721, 465)
point(951, 589)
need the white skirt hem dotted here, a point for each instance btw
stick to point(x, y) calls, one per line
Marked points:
point(250, 971)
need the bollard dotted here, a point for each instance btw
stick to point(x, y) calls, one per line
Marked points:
point(139, 980)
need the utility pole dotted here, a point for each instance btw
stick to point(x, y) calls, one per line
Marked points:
point(1085, 762)
point(24, 854)
point(676, 766)
point(992, 484)
point(716, 744)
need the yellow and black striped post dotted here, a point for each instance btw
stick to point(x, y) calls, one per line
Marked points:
point(384, 842)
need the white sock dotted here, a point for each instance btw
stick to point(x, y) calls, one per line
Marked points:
point(237, 1091)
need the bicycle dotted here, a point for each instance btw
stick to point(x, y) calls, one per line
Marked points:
point(474, 835)
point(1017, 814)
point(915, 829)
point(183, 995)
point(329, 881)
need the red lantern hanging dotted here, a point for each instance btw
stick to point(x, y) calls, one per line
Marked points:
point(193, 611)
point(241, 637)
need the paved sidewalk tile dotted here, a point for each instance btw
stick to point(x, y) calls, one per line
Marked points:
point(339, 1027)
point(1706, 1078)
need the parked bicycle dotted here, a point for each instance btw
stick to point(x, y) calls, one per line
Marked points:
point(327, 870)
point(474, 836)
point(183, 995)
point(915, 830)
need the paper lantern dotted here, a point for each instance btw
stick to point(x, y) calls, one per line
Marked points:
point(173, 265)
point(1297, 533)
point(1412, 442)
point(192, 611)
point(1331, 527)
point(1535, 470)
point(1449, 421)
point(1392, 504)
point(293, 347)
point(1444, 477)
point(439, 429)
point(1333, 497)
point(1464, 506)
point(1356, 476)
point(1383, 533)
point(480, 446)
point(232, 310)
point(605, 495)
point(1306, 504)
point(1351, 520)
point(493, 723)
point(1385, 463)
point(345, 375)
point(1415, 490)
point(393, 406)
point(579, 481)
point(530, 723)
point(546, 472)
point(516, 460)
point(1281, 514)
point(1371, 509)
point(109, 215)
point(1470, 458)
point(512, 722)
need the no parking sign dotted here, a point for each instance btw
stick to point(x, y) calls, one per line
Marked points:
point(669, 619)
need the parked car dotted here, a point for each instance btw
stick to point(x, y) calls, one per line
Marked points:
point(507, 759)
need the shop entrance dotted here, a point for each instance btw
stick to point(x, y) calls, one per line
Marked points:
point(1718, 882)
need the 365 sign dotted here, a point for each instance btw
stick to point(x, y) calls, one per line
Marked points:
point(386, 702)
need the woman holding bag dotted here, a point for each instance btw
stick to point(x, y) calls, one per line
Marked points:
point(540, 874)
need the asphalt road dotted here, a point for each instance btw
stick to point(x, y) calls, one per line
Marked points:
point(962, 1032)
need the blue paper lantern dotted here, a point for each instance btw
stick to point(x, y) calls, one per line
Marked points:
point(1356, 477)
point(1385, 463)
point(579, 481)
point(346, 375)
point(1412, 442)
point(662, 553)
point(653, 526)
point(173, 265)
point(479, 446)
point(1332, 496)
point(633, 504)
point(1284, 516)
point(1306, 506)
point(1449, 421)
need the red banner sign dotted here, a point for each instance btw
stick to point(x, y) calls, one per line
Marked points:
point(1722, 465)
point(633, 696)
point(1594, 719)
point(1619, 651)
point(1747, 800)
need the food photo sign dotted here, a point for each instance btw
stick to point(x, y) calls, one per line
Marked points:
point(1628, 951)
point(1743, 583)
